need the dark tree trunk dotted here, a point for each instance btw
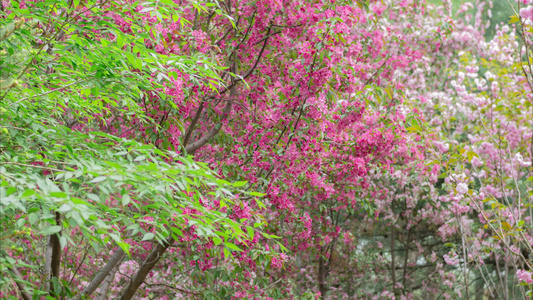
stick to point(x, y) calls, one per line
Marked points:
point(322, 275)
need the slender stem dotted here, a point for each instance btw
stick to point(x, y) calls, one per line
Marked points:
point(393, 257)
point(80, 264)
point(405, 261)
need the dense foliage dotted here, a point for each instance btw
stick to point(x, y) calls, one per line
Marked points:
point(265, 150)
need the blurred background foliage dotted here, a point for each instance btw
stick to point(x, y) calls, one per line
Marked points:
point(501, 12)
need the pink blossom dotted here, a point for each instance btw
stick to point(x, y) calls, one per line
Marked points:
point(451, 260)
point(462, 188)
point(524, 276)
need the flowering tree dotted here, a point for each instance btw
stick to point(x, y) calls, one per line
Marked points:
point(289, 97)
point(482, 120)
point(77, 201)
point(135, 134)
point(307, 107)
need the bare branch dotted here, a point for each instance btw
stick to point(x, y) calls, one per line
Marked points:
point(146, 267)
point(258, 57)
point(107, 283)
point(193, 123)
point(173, 288)
point(214, 131)
point(117, 257)
point(20, 284)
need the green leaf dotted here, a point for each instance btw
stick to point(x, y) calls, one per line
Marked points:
point(98, 179)
point(177, 231)
point(120, 40)
point(140, 158)
point(227, 253)
point(33, 218)
point(217, 241)
point(51, 230)
point(93, 197)
point(148, 236)
point(126, 199)
point(28, 193)
point(257, 194)
point(64, 208)
point(124, 246)
point(232, 246)
point(59, 194)
point(250, 231)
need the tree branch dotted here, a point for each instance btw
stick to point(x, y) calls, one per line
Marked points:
point(268, 36)
point(191, 148)
point(117, 257)
point(20, 284)
point(48, 264)
point(145, 268)
point(56, 254)
point(258, 58)
point(55, 90)
point(193, 123)
point(173, 288)
point(214, 131)
point(227, 32)
point(245, 34)
point(107, 282)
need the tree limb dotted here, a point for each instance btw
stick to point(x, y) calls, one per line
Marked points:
point(258, 58)
point(173, 288)
point(107, 282)
point(117, 257)
point(214, 131)
point(145, 268)
point(56, 253)
point(20, 283)
point(193, 123)
point(191, 148)
point(48, 264)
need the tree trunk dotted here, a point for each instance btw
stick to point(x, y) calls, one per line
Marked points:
point(53, 258)
point(322, 287)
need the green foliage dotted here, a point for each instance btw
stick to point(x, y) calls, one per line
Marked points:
point(107, 184)
point(88, 69)
point(60, 181)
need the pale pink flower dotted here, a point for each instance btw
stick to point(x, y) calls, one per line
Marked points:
point(462, 188)
point(524, 276)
